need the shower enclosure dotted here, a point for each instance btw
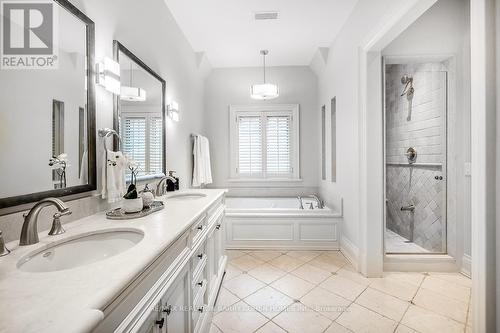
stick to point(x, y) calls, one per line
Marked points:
point(415, 157)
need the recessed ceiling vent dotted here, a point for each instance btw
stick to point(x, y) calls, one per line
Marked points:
point(259, 16)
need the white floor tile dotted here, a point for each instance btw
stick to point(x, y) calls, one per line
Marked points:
point(302, 321)
point(400, 289)
point(304, 255)
point(446, 288)
point(269, 301)
point(286, 263)
point(454, 278)
point(311, 273)
point(325, 302)
point(265, 255)
point(292, 286)
point(343, 287)
point(246, 262)
point(443, 305)
point(327, 263)
point(337, 328)
point(241, 319)
point(386, 305)
point(404, 329)
point(267, 273)
point(225, 299)
point(231, 272)
point(361, 320)
point(243, 285)
point(425, 321)
point(270, 327)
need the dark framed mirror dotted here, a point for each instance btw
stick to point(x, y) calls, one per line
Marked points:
point(139, 114)
point(48, 143)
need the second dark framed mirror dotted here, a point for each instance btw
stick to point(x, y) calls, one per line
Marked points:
point(139, 114)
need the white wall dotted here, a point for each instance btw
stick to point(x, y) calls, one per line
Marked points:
point(339, 76)
point(231, 86)
point(153, 35)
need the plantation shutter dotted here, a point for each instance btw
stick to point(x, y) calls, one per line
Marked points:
point(134, 140)
point(278, 137)
point(250, 145)
point(155, 145)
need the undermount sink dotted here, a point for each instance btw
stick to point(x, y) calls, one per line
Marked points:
point(187, 196)
point(80, 251)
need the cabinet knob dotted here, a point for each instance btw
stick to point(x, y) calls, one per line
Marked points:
point(200, 309)
point(200, 227)
point(168, 310)
point(200, 255)
point(217, 226)
point(200, 283)
point(160, 323)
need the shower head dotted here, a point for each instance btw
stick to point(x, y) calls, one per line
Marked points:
point(405, 79)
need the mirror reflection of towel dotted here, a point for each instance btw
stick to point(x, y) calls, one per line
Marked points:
point(202, 171)
point(84, 169)
point(113, 176)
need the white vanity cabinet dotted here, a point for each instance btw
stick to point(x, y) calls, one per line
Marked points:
point(176, 293)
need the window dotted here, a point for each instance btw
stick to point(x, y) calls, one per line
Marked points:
point(142, 141)
point(264, 142)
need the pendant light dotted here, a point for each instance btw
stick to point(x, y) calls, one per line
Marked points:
point(264, 90)
point(132, 94)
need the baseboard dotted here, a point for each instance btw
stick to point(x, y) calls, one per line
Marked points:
point(466, 265)
point(269, 246)
point(419, 263)
point(350, 251)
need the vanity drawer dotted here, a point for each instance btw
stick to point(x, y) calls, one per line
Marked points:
point(199, 261)
point(197, 229)
point(215, 217)
point(199, 308)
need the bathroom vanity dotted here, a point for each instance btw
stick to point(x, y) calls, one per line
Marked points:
point(167, 281)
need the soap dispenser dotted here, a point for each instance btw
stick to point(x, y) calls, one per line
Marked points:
point(171, 186)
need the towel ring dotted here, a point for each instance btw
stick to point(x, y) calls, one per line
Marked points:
point(107, 132)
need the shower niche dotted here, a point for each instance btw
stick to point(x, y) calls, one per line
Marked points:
point(416, 105)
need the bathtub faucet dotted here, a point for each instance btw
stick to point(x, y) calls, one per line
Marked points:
point(319, 203)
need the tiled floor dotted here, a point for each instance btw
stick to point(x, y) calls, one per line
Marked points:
point(319, 291)
point(395, 243)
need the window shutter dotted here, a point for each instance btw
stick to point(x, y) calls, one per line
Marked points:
point(155, 145)
point(250, 145)
point(278, 137)
point(134, 140)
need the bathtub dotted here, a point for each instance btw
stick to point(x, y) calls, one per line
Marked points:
point(279, 223)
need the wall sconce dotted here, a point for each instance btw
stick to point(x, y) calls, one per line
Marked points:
point(108, 75)
point(173, 111)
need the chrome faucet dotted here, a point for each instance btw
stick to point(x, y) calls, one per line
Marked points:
point(161, 187)
point(319, 203)
point(29, 232)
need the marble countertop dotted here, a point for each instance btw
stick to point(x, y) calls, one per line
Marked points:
point(71, 300)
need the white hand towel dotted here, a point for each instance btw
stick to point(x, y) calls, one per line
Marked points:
point(114, 186)
point(202, 171)
point(206, 161)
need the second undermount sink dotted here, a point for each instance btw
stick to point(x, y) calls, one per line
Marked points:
point(80, 250)
point(187, 196)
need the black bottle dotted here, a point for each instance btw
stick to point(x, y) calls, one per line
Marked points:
point(171, 186)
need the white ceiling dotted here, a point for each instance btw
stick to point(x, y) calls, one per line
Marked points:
point(230, 37)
